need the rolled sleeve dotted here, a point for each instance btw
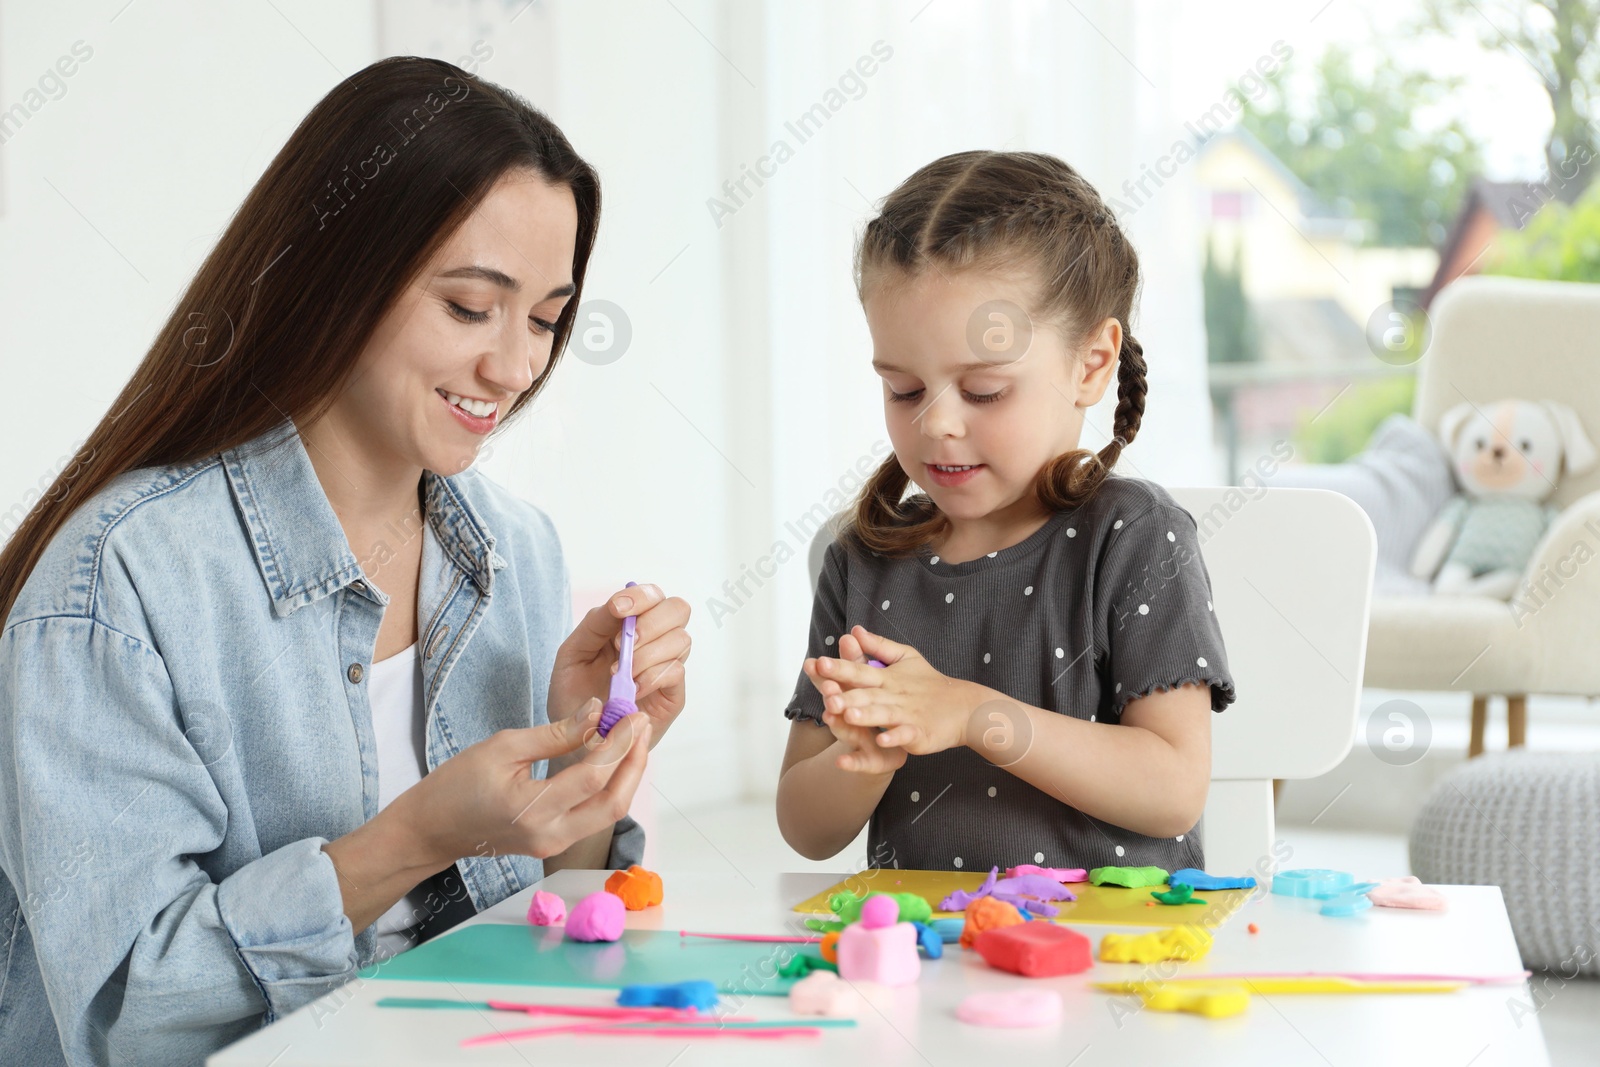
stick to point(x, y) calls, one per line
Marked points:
point(1159, 630)
point(146, 957)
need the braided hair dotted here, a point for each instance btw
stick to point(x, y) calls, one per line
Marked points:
point(983, 210)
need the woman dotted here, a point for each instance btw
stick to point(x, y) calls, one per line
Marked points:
point(269, 596)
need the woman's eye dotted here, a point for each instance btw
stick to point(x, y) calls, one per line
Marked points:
point(466, 314)
point(541, 326)
point(984, 398)
point(904, 398)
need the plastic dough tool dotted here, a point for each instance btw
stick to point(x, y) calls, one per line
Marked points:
point(620, 703)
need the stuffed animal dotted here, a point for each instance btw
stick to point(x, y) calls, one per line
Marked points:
point(1508, 457)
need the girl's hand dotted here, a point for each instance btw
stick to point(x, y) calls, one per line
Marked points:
point(865, 755)
point(921, 710)
point(481, 801)
point(587, 659)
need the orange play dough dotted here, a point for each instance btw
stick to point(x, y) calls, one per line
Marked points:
point(830, 946)
point(638, 888)
point(987, 913)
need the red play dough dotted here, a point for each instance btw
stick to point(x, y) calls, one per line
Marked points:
point(1036, 949)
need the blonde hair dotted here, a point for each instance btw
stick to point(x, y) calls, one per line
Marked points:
point(1021, 212)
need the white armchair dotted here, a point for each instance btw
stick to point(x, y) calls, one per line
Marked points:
point(1495, 338)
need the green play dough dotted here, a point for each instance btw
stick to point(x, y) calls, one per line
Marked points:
point(1132, 877)
point(913, 907)
point(802, 964)
point(1178, 894)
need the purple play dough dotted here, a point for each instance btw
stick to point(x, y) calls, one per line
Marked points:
point(959, 900)
point(1014, 891)
point(1033, 885)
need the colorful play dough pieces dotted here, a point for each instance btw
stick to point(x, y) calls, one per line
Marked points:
point(986, 913)
point(1407, 892)
point(1172, 943)
point(698, 994)
point(1132, 877)
point(546, 909)
point(1035, 950)
point(1012, 1008)
point(636, 887)
point(597, 917)
point(949, 930)
point(1203, 881)
point(824, 993)
point(929, 941)
point(1180, 893)
point(914, 908)
point(880, 948)
point(1056, 874)
point(1214, 1002)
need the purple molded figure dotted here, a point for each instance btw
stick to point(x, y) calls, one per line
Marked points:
point(621, 704)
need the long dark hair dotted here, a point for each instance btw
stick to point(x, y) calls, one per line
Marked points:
point(1023, 211)
point(367, 188)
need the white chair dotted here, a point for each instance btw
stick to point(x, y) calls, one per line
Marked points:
point(1291, 577)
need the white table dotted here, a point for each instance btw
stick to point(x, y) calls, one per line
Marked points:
point(916, 1026)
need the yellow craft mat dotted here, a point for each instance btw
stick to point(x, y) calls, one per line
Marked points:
point(1095, 904)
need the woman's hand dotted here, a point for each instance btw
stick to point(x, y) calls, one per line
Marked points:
point(920, 710)
point(482, 800)
point(865, 755)
point(587, 659)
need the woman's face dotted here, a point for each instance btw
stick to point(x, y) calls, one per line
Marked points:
point(468, 335)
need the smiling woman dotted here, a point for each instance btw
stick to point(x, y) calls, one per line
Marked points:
point(250, 739)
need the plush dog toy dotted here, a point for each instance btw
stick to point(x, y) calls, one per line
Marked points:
point(1507, 457)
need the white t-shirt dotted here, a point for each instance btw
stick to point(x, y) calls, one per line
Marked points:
point(398, 728)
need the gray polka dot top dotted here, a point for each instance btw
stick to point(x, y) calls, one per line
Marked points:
point(1101, 605)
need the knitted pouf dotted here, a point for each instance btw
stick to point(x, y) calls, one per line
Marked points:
point(1528, 822)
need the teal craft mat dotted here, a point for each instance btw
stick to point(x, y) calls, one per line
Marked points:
point(518, 954)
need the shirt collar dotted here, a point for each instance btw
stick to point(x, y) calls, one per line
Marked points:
point(300, 548)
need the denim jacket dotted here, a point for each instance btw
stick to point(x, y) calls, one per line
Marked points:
point(183, 726)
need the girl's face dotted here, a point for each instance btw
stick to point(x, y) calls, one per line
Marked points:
point(470, 333)
point(978, 399)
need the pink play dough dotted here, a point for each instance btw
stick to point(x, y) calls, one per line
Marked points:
point(1055, 874)
point(546, 909)
point(824, 993)
point(1021, 1007)
point(1407, 892)
point(597, 917)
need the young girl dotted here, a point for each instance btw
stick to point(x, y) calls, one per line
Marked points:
point(1050, 656)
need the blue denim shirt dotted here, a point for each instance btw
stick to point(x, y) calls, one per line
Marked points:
point(183, 726)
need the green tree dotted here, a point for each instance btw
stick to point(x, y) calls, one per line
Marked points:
point(1230, 328)
point(1561, 243)
point(1557, 38)
point(1350, 136)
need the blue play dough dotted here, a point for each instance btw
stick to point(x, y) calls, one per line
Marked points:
point(694, 994)
point(949, 930)
point(1346, 904)
point(1201, 880)
point(930, 940)
point(1312, 882)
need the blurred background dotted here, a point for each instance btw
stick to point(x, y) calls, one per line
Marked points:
point(1291, 172)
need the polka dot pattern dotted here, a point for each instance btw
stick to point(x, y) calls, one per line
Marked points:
point(1028, 591)
point(1117, 525)
point(1144, 609)
point(1121, 851)
point(958, 861)
point(885, 605)
point(1201, 662)
point(1072, 531)
point(948, 597)
point(935, 559)
point(828, 640)
point(992, 790)
point(986, 657)
point(1038, 857)
point(915, 796)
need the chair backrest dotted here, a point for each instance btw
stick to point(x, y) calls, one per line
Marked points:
point(1291, 578)
point(1498, 338)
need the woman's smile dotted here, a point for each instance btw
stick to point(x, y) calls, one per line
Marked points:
point(478, 416)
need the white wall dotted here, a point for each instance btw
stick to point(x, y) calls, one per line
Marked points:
point(745, 393)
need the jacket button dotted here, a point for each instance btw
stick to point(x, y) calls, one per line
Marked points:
point(358, 587)
point(354, 673)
